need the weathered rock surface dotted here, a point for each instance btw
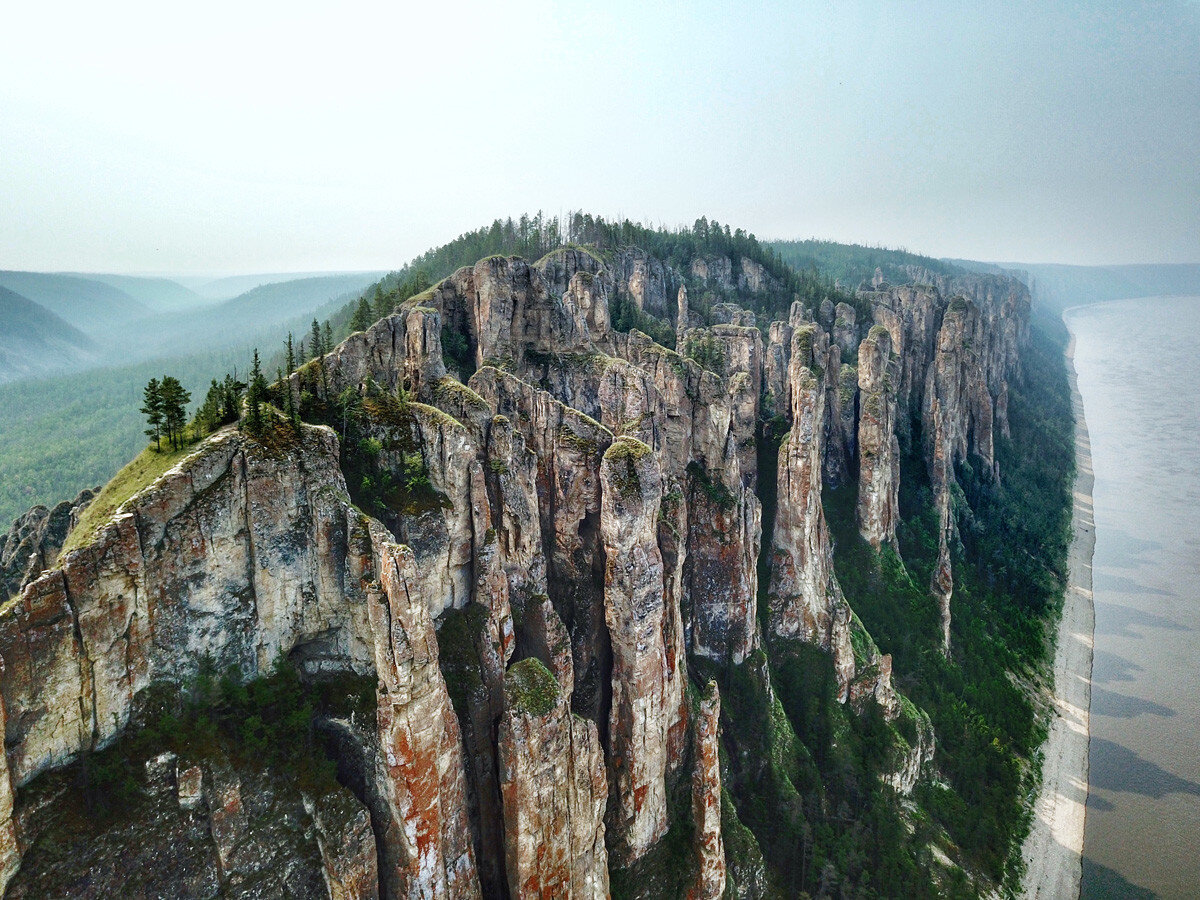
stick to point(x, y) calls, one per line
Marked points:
point(878, 447)
point(633, 605)
point(34, 541)
point(706, 798)
point(806, 602)
point(592, 512)
point(554, 789)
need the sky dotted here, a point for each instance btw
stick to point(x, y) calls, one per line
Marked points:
point(260, 136)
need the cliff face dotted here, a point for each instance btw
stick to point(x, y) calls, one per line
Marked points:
point(590, 529)
point(878, 445)
point(34, 541)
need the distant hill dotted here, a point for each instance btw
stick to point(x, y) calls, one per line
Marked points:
point(852, 264)
point(157, 294)
point(236, 285)
point(1056, 287)
point(272, 308)
point(97, 309)
point(34, 341)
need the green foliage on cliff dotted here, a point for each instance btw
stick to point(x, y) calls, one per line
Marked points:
point(1009, 576)
point(458, 633)
point(531, 687)
point(855, 263)
point(136, 475)
point(704, 348)
point(267, 723)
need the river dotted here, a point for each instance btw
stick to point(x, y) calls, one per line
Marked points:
point(1137, 363)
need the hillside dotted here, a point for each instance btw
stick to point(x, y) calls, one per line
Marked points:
point(262, 314)
point(34, 341)
point(1057, 287)
point(156, 294)
point(572, 612)
point(854, 264)
point(230, 286)
point(97, 309)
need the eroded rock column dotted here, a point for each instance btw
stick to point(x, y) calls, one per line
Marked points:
point(554, 790)
point(631, 491)
point(878, 447)
point(706, 798)
point(427, 844)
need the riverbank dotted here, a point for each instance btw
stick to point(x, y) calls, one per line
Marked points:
point(1053, 851)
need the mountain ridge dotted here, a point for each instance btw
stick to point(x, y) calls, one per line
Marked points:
point(518, 493)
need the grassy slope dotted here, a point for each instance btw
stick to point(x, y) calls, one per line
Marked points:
point(137, 474)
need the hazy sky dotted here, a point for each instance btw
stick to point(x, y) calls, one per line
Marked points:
point(255, 136)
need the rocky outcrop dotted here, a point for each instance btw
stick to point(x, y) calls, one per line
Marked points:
point(246, 834)
point(633, 604)
point(347, 844)
point(428, 838)
point(706, 798)
point(958, 341)
point(805, 600)
point(645, 281)
point(554, 789)
point(244, 554)
point(587, 505)
point(878, 446)
point(34, 541)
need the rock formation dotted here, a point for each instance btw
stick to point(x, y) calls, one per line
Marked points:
point(578, 532)
point(706, 798)
point(554, 789)
point(878, 446)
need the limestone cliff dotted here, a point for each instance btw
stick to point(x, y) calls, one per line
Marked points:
point(570, 537)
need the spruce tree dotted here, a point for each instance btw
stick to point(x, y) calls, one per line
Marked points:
point(254, 396)
point(231, 394)
point(383, 303)
point(286, 386)
point(362, 319)
point(209, 416)
point(319, 350)
point(153, 411)
point(174, 409)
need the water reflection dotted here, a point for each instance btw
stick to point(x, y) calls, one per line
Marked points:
point(1110, 703)
point(1108, 667)
point(1114, 619)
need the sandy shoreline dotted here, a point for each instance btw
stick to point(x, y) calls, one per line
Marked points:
point(1053, 852)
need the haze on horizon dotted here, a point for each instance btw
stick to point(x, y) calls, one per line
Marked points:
point(235, 137)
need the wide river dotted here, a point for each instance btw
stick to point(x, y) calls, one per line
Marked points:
point(1138, 363)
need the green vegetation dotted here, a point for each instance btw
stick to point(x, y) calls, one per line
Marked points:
point(531, 687)
point(268, 722)
point(622, 457)
point(458, 633)
point(706, 349)
point(137, 475)
point(625, 316)
point(166, 410)
point(854, 263)
point(1009, 577)
point(712, 488)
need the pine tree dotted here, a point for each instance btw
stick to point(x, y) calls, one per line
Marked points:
point(327, 346)
point(254, 397)
point(153, 411)
point(363, 318)
point(231, 394)
point(383, 303)
point(209, 416)
point(290, 401)
point(174, 409)
point(319, 350)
